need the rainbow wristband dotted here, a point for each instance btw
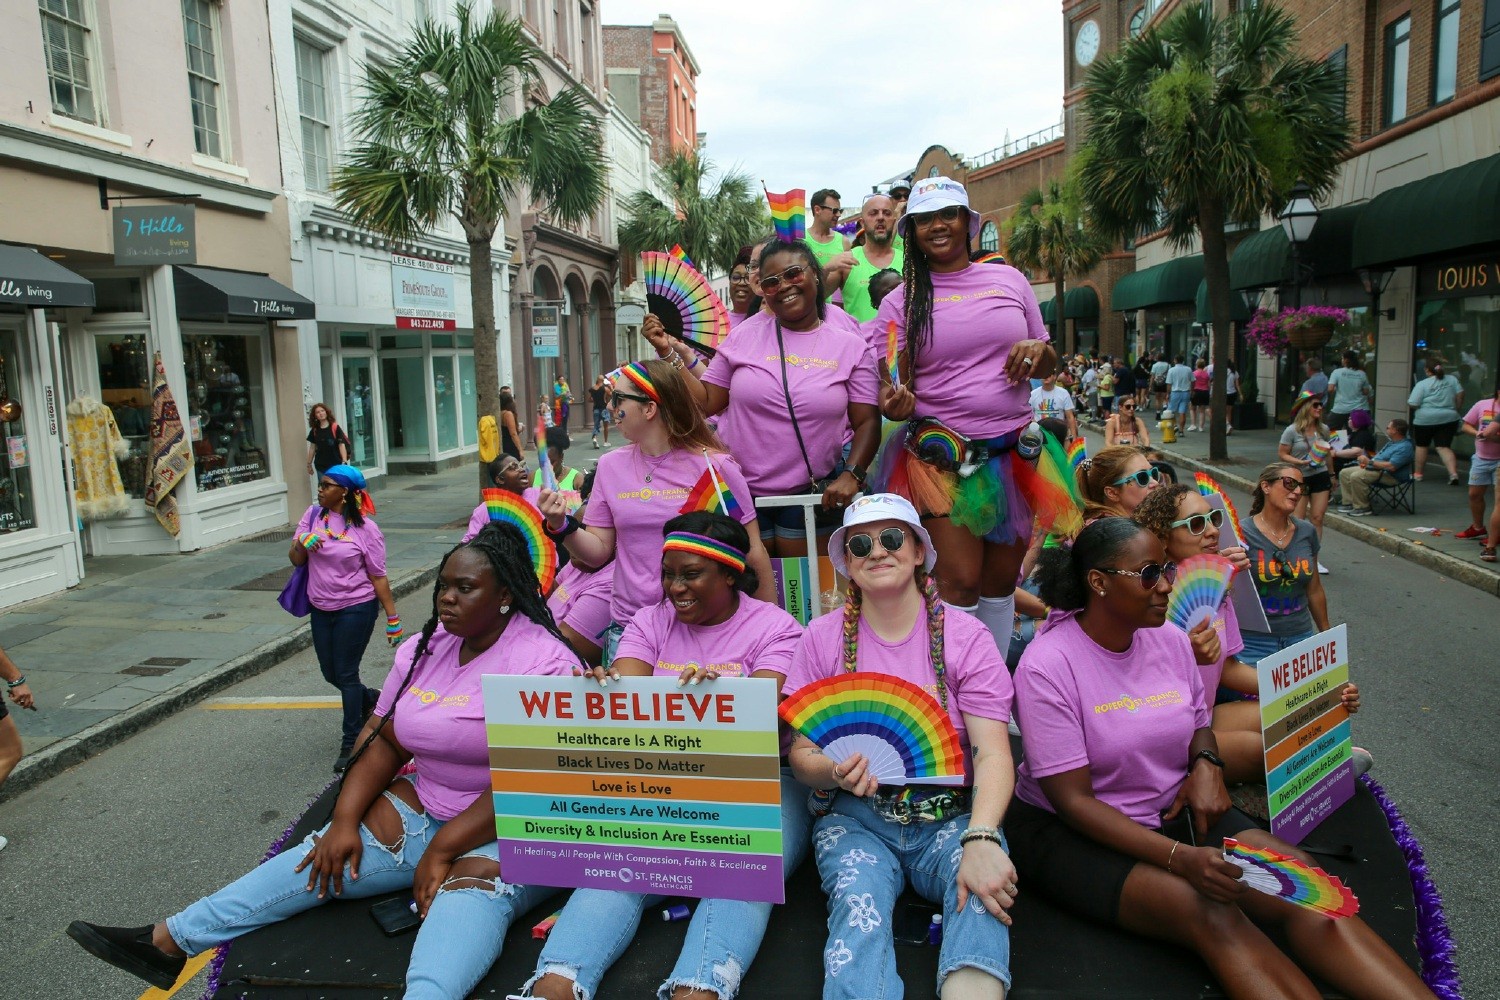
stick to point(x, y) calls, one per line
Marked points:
point(309, 541)
point(393, 627)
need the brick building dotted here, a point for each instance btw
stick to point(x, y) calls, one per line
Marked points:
point(653, 76)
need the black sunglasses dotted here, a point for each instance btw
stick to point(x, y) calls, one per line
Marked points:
point(773, 282)
point(1198, 523)
point(1150, 574)
point(861, 545)
point(615, 397)
point(1292, 485)
point(948, 214)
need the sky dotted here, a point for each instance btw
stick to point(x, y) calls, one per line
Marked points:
point(864, 86)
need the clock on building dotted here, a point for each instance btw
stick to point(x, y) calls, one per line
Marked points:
point(1086, 42)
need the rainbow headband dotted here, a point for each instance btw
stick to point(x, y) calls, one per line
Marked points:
point(635, 373)
point(708, 548)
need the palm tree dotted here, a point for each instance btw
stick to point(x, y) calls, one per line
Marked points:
point(450, 129)
point(1049, 232)
point(1213, 120)
point(710, 221)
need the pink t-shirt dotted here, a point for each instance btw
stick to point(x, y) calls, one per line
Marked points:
point(440, 715)
point(1202, 379)
point(635, 495)
point(481, 515)
point(1128, 717)
point(977, 681)
point(581, 599)
point(339, 570)
point(1227, 624)
point(1481, 416)
point(758, 636)
point(834, 316)
point(978, 315)
point(826, 370)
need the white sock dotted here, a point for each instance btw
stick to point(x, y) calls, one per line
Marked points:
point(999, 616)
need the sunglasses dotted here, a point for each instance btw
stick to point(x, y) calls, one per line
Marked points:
point(1150, 574)
point(1292, 485)
point(948, 214)
point(793, 273)
point(616, 397)
point(832, 208)
point(862, 544)
point(1143, 479)
point(329, 486)
point(739, 279)
point(1198, 523)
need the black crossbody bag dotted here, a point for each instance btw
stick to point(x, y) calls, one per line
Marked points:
point(815, 486)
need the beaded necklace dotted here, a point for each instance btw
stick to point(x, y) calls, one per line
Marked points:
point(336, 536)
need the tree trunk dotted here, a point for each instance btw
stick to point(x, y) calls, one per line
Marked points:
point(1061, 340)
point(486, 355)
point(1216, 274)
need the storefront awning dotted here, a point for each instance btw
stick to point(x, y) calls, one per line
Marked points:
point(1238, 311)
point(1047, 310)
point(214, 293)
point(31, 280)
point(1080, 303)
point(1265, 259)
point(1448, 212)
point(1172, 281)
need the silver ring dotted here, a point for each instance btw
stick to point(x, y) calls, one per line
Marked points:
point(1026, 361)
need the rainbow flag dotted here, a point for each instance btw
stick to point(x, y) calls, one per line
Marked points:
point(788, 212)
point(1077, 452)
point(892, 353)
point(681, 254)
point(710, 494)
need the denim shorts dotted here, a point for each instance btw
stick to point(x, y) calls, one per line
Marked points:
point(1177, 402)
point(1484, 471)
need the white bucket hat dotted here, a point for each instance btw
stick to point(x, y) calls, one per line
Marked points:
point(879, 507)
point(932, 193)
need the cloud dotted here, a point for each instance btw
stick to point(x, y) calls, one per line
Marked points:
point(857, 90)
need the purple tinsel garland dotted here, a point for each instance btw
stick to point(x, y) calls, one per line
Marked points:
point(1434, 939)
point(216, 967)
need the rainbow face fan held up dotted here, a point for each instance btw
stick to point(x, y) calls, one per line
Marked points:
point(506, 506)
point(1202, 581)
point(680, 297)
point(905, 734)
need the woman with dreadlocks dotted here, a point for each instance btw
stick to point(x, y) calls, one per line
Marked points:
point(969, 337)
point(433, 830)
point(946, 839)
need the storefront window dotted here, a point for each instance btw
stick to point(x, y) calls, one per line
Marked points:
point(445, 400)
point(1463, 335)
point(359, 413)
point(226, 407)
point(403, 401)
point(469, 421)
point(1358, 335)
point(125, 387)
point(17, 505)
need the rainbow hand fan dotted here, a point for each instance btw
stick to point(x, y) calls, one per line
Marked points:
point(905, 734)
point(1209, 487)
point(1077, 452)
point(1202, 582)
point(506, 506)
point(1281, 875)
point(680, 297)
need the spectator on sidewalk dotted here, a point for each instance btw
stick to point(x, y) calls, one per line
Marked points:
point(1142, 375)
point(1351, 391)
point(1125, 427)
point(1159, 369)
point(1202, 395)
point(1179, 386)
point(10, 736)
point(1124, 382)
point(1316, 382)
point(1436, 403)
point(1231, 393)
point(1049, 401)
point(1088, 388)
point(1106, 388)
point(1482, 421)
point(1391, 464)
point(1359, 442)
point(1305, 443)
point(510, 425)
point(599, 401)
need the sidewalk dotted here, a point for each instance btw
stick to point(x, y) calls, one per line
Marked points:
point(145, 636)
point(1438, 504)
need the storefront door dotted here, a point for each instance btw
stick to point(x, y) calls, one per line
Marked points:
point(359, 409)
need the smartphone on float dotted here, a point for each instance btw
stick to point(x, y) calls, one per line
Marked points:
point(395, 916)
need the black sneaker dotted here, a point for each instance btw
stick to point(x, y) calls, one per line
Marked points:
point(372, 698)
point(129, 949)
point(341, 762)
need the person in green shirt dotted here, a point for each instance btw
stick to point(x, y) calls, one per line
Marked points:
point(852, 269)
point(821, 238)
point(569, 480)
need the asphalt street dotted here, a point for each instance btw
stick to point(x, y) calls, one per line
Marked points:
point(183, 807)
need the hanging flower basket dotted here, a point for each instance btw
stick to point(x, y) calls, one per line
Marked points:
point(1306, 329)
point(1310, 335)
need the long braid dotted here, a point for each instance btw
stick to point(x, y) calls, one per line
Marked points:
point(852, 605)
point(935, 613)
point(918, 308)
point(510, 558)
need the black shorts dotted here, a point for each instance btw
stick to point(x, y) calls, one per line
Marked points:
point(1200, 397)
point(1082, 874)
point(1232, 399)
point(4, 711)
point(1318, 482)
point(1440, 435)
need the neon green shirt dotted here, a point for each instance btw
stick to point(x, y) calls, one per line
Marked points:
point(857, 284)
point(825, 251)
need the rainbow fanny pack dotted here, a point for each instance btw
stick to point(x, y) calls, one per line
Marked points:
point(940, 446)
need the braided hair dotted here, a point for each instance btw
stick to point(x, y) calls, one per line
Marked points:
point(935, 613)
point(917, 277)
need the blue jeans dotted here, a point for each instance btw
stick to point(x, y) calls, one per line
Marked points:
point(601, 419)
point(1259, 645)
point(722, 939)
point(455, 947)
point(864, 861)
point(339, 638)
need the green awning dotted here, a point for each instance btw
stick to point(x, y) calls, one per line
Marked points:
point(1173, 281)
point(1080, 303)
point(1238, 312)
point(1047, 309)
point(1265, 259)
point(1445, 213)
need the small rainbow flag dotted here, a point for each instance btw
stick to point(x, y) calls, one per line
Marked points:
point(710, 494)
point(1209, 487)
point(892, 354)
point(681, 254)
point(549, 478)
point(788, 212)
point(1077, 452)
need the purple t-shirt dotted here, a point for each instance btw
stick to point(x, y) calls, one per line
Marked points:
point(481, 515)
point(826, 370)
point(339, 570)
point(978, 315)
point(635, 495)
point(977, 681)
point(758, 636)
point(581, 599)
point(1128, 717)
point(440, 714)
point(1482, 416)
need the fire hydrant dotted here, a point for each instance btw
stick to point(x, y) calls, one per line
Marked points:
point(1168, 428)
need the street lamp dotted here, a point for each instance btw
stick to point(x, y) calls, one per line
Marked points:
point(1375, 283)
point(1297, 220)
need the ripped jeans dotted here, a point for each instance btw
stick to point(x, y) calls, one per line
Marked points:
point(598, 924)
point(455, 947)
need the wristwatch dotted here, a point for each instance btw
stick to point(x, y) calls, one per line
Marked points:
point(1209, 756)
point(860, 473)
